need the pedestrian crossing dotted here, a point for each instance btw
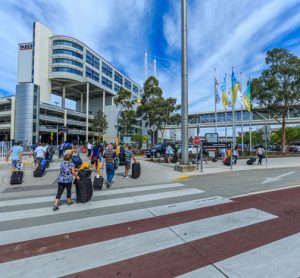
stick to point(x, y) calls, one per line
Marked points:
point(163, 230)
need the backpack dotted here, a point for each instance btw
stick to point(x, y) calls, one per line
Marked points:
point(77, 161)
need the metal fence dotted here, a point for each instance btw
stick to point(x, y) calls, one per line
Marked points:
point(5, 147)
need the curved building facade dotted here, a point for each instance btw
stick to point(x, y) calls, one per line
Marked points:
point(56, 65)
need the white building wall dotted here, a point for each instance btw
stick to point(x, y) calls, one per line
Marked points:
point(41, 61)
point(24, 62)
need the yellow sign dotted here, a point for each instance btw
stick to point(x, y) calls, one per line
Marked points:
point(51, 136)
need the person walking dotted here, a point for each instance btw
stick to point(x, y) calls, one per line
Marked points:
point(235, 155)
point(65, 179)
point(260, 153)
point(89, 148)
point(169, 152)
point(128, 157)
point(61, 150)
point(95, 155)
point(16, 153)
point(39, 154)
point(108, 160)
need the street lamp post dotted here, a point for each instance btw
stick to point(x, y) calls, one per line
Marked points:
point(184, 85)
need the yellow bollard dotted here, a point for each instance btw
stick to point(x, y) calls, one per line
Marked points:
point(98, 167)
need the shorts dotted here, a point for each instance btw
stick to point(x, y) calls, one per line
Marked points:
point(16, 164)
point(38, 160)
point(127, 165)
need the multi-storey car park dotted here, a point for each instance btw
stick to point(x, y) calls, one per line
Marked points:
point(66, 67)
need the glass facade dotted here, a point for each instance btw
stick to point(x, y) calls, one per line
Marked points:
point(63, 69)
point(118, 78)
point(92, 74)
point(127, 84)
point(68, 43)
point(135, 89)
point(106, 69)
point(117, 88)
point(106, 82)
point(67, 52)
point(92, 59)
point(66, 61)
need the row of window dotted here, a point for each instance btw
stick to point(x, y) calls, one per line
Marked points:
point(92, 74)
point(63, 69)
point(68, 43)
point(117, 88)
point(118, 78)
point(67, 52)
point(67, 61)
point(92, 59)
point(127, 84)
point(106, 69)
point(106, 82)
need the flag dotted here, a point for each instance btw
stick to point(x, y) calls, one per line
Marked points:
point(247, 97)
point(224, 93)
point(229, 98)
point(235, 85)
point(217, 96)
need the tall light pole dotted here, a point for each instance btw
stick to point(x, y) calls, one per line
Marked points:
point(184, 85)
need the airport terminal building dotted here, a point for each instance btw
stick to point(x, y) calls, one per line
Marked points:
point(65, 67)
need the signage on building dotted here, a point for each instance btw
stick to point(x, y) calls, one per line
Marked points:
point(225, 145)
point(126, 139)
point(25, 46)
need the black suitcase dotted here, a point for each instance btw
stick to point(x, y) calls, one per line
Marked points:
point(251, 160)
point(16, 177)
point(84, 190)
point(84, 174)
point(136, 170)
point(98, 182)
point(40, 171)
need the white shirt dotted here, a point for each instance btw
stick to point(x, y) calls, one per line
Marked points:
point(40, 151)
point(89, 146)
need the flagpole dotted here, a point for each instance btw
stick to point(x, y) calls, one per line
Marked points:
point(242, 128)
point(250, 130)
point(216, 116)
point(233, 119)
point(225, 124)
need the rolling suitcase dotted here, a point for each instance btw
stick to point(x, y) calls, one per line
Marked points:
point(98, 182)
point(16, 177)
point(84, 190)
point(136, 170)
point(39, 172)
point(251, 160)
point(226, 161)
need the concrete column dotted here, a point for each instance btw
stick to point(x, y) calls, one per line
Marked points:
point(65, 123)
point(63, 100)
point(13, 111)
point(87, 111)
point(81, 102)
point(103, 104)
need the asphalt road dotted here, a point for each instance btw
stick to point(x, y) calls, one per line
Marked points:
point(232, 184)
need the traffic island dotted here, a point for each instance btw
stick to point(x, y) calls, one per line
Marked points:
point(185, 168)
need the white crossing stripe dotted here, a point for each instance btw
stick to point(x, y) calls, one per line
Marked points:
point(30, 233)
point(14, 215)
point(91, 256)
point(96, 193)
point(277, 259)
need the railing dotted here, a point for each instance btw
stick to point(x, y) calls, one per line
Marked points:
point(5, 147)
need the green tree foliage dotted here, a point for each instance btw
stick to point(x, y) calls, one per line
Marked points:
point(99, 124)
point(138, 138)
point(155, 110)
point(278, 87)
point(291, 134)
point(256, 138)
point(127, 116)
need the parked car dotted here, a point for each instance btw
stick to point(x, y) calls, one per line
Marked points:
point(158, 151)
point(192, 150)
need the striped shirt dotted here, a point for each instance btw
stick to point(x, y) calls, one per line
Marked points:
point(109, 156)
point(128, 156)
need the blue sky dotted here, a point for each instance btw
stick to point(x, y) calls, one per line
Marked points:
point(221, 34)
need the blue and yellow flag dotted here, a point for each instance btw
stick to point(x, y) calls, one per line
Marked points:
point(224, 93)
point(247, 97)
point(235, 85)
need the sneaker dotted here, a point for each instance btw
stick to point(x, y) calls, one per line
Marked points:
point(126, 177)
point(108, 184)
point(70, 203)
point(55, 208)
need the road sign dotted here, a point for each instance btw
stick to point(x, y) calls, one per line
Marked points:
point(196, 140)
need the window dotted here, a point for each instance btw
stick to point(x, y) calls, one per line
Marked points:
point(106, 69)
point(117, 88)
point(68, 43)
point(63, 69)
point(118, 78)
point(127, 84)
point(67, 61)
point(92, 59)
point(67, 52)
point(135, 89)
point(106, 82)
point(92, 74)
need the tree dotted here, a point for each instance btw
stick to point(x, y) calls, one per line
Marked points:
point(138, 138)
point(100, 124)
point(155, 110)
point(291, 134)
point(127, 116)
point(278, 87)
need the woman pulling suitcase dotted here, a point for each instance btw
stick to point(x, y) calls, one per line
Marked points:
point(65, 179)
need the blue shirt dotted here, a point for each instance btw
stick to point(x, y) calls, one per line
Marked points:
point(15, 152)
